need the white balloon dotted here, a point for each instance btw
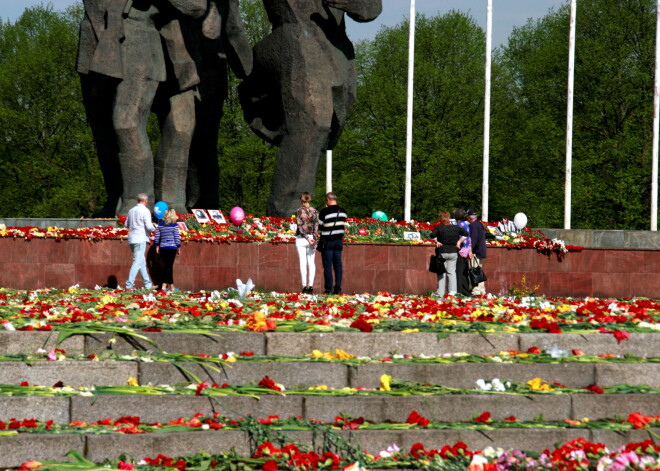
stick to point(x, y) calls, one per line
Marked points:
point(520, 220)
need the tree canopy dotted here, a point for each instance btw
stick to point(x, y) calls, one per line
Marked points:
point(50, 169)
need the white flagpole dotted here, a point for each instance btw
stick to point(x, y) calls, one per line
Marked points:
point(486, 163)
point(656, 124)
point(328, 171)
point(569, 119)
point(411, 70)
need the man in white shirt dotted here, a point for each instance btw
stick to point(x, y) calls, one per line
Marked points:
point(139, 227)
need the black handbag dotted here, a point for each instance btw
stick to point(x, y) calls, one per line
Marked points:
point(476, 274)
point(321, 245)
point(436, 264)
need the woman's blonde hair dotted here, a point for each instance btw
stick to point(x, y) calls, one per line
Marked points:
point(445, 218)
point(170, 217)
point(305, 198)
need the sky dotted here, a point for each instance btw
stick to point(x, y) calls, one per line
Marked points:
point(507, 14)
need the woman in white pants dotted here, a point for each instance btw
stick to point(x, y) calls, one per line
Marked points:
point(307, 219)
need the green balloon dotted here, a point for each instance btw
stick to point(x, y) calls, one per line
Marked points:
point(379, 215)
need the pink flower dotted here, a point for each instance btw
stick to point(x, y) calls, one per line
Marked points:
point(52, 355)
point(124, 465)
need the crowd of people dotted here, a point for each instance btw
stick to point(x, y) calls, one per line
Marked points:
point(460, 245)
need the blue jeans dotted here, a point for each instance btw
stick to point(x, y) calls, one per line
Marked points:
point(139, 264)
point(331, 257)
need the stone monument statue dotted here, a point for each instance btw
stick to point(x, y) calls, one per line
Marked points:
point(136, 56)
point(220, 41)
point(301, 88)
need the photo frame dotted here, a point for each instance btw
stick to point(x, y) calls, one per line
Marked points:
point(201, 216)
point(217, 216)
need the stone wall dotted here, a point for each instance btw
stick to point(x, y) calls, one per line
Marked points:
point(367, 268)
point(606, 239)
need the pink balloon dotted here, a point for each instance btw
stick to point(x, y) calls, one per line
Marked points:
point(236, 215)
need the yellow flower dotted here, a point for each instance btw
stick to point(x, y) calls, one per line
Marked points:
point(537, 384)
point(385, 383)
point(342, 355)
point(409, 331)
point(320, 387)
point(317, 354)
point(132, 381)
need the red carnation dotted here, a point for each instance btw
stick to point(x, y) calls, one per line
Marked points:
point(595, 389)
point(361, 324)
point(483, 418)
point(266, 382)
point(270, 465)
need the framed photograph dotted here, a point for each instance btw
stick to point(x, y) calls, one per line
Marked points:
point(217, 216)
point(201, 216)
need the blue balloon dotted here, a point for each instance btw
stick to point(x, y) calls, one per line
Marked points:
point(159, 209)
point(379, 215)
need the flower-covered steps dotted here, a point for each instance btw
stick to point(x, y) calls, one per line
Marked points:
point(307, 372)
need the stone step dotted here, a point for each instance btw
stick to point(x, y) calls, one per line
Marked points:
point(357, 343)
point(304, 374)
point(33, 446)
point(375, 409)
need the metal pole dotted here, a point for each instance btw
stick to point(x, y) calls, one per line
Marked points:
point(411, 70)
point(656, 125)
point(569, 119)
point(328, 171)
point(486, 164)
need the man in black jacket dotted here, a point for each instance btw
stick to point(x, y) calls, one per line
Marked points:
point(478, 240)
point(332, 221)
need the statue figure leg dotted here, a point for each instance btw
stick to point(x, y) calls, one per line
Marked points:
point(133, 102)
point(177, 123)
point(309, 111)
point(204, 171)
point(98, 93)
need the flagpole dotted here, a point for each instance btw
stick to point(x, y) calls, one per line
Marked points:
point(656, 124)
point(486, 162)
point(569, 119)
point(328, 171)
point(411, 70)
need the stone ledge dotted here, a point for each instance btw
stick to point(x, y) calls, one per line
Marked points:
point(98, 448)
point(377, 409)
point(371, 344)
point(48, 373)
point(31, 446)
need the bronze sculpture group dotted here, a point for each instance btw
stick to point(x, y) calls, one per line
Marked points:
point(170, 57)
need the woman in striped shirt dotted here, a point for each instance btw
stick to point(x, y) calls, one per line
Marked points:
point(168, 245)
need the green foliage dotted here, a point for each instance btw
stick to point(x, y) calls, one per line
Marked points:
point(612, 116)
point(49, 164)
point(246, 162)
point(370, 158)
point(46, 151)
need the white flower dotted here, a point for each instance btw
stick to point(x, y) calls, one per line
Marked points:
point(483, 385)
point(648, 325)
point(235, 302)
point(556, 352)
point(205, 427)
point(478, 460)
point(390, 451)
point(8, 325)
point(490, 452)
point(497, 385)
point(355, 467)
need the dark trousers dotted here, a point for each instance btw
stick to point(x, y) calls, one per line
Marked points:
point(331, 257)
point(168, 256)
point(461, 277)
